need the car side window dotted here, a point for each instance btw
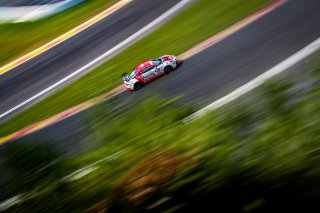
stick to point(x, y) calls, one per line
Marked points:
point(146, 69)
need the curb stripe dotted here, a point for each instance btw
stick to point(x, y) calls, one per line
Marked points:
point(65, 114)
point(230, 30)
point(64, 37)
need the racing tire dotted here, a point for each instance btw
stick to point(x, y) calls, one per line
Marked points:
point(137, 85)
point(168, 69)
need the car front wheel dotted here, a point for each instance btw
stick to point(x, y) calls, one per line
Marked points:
point(137, 85)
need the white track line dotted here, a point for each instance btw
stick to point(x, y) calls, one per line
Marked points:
point(6, 68)
point(279, 68)
point(102, 58)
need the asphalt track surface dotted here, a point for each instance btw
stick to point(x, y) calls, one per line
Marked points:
point(35, 75)
point(221, 68)
point(243, 56)
point(17, 3)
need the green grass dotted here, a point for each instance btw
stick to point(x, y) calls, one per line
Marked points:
point(200, 21)
point(17, 39)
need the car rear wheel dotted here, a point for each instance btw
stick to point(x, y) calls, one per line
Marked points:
point(137, 85)
point(168, 69)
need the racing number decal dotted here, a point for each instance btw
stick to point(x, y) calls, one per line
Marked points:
point(148, 76)
point(152, 74)
point(157, 71)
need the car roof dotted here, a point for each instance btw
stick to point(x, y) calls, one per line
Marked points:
point(143, 65)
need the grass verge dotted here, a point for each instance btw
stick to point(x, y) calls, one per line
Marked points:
point(200, 21)
point(18, 39)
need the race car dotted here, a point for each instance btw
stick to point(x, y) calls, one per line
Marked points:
point(150, 70)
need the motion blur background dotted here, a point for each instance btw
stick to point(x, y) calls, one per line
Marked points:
point(134, 151)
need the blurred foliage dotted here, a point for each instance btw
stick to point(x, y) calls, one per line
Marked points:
point(29, 164)
point(259, 155)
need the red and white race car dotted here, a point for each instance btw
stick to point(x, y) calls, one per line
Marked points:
point(149, 70)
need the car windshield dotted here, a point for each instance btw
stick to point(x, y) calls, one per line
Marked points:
point(133, 74)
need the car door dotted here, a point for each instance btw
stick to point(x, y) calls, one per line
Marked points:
point(160, 65)
point(148, 74)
